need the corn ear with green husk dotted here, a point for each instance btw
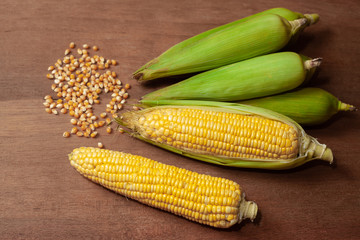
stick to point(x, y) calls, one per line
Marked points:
point(258, 36)
point(226, 134)
point(307, 106)
point(256, 77)
point(283, 12)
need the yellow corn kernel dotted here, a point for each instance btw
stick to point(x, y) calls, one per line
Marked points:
point(108, 121)
point(101, 123)
point(166, 187)
point(109, 130)
point(74, 130)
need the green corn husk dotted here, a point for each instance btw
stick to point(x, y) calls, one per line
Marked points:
point(283, 12)
point(307, 106)
point(256, 77)
point(258, 36)
point(309, 148)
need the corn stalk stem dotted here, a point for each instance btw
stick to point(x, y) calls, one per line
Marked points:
point(312, 63)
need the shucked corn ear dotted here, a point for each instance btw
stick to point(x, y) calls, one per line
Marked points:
point(283, 12)
point(256, 77)
point(307, 106)
point(225, 133)
point(214, 201)
point(258, 36)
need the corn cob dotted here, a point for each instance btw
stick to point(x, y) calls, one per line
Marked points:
point(225, 133)
point(306, 106)
point(257, 77)
point(258, 36)
point(283, 12)
point(214, 201)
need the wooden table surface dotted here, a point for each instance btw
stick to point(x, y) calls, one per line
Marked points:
point(43, 197)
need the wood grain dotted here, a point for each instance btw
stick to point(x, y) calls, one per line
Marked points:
point(42, 197)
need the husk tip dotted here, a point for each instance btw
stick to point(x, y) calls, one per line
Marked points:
point(347, 107)
point(138, 76)
point(312, 18)
point(313, 63)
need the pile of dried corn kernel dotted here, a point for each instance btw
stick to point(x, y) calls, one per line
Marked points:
point(78, 83)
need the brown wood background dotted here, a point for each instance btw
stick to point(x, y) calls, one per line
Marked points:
point(43, 197)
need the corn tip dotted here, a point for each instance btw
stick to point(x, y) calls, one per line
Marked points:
point(328, 156)
point(248, 210)
point(346, 107)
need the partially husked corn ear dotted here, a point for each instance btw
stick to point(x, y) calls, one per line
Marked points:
point(213, 201)
point(256, 77)
point(225, 133)
point(307, 106)
point(258, 36)
point(283, 12)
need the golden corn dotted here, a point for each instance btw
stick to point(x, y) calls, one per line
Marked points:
point(226, 133)
point(213, 201)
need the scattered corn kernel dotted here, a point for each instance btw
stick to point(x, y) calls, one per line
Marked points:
point(108, 129)
point(121, 130)
point(95, 48)
point(50, 76)
point(67, 51)
point(86, 46)
point(103, 115)
point(79, 134)
point(108, 121)
point(74, 130)
point(72, 45)
point(100, 145)
point(48, 110)
point(93, 134)
point(73, 121)
point(101, 123)
point(66, 134)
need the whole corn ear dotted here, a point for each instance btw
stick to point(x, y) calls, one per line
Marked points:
point(213, 201)
point(307, 106)
point(258, 36)
point(256, 77)
point(223, 133)
point(283, 12)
